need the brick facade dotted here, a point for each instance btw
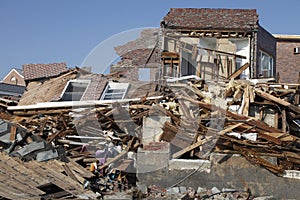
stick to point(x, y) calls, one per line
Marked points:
point(128, 73)
point(288, 63)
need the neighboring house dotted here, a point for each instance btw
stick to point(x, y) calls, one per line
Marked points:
point(9, 90)
point(213, 43)
point(14, 77)
point(288, 58)
point(40, 71)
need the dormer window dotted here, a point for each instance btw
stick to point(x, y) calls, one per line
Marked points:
point(115, 91)
point(74, 90)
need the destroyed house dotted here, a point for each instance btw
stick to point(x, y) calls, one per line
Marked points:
point(214, 43)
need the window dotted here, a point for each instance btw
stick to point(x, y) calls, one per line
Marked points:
point(114, 91)
point(297, 50)
point(265, 65)
point(74, 90)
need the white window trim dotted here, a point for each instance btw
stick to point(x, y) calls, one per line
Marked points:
point(114, 85)
point(76, 81)
point(260, 63)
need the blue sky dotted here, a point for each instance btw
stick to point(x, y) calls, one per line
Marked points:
point(35, 31)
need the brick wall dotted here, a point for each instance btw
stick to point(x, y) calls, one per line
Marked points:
point(129, 73)
point(288, 63)
point(267, 43)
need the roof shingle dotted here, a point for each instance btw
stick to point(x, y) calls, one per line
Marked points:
point(36, 71)
point(211, 19)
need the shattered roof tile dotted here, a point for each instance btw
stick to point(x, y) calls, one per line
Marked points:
point(36, 71)
point(208, 19)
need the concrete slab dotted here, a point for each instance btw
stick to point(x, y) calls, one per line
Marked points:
point(189, 164)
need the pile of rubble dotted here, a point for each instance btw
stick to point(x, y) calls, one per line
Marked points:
point(194, 117)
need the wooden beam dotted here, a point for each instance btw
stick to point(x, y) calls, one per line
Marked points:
point(239, 71)
point(283, 117)
point(13, 132)
point(277, 100)
point(230, 128)
point(257, 123)
point(223, 52)
point(187, 149)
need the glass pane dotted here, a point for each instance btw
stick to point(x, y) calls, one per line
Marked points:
point(113, 96)
point(265, 62)
point(74, 91)
point(115, 91)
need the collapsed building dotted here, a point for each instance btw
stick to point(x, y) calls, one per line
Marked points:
point(207, 121)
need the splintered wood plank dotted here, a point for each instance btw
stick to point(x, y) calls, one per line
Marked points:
point(230, 128)
point(10, 172)
point(277, 100)
point(116, 158)
point(20, 182)
point(12, 192)
point(257, 123)
point(77, 175)
point(63, 184)
point(238, 71)
point(62, 181)
point(187, 149)
point(13, 132)
point(270, 138)
point(14, 181)
point(78, 168)
point(56, 165)
point(283, 116)
point(19, 167)
point(70, 173)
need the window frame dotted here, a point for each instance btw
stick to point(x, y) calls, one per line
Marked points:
point(75, 81)
point(270, 71)
point(114, 86)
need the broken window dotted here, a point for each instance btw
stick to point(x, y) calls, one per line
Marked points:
point(114, 91)
point(265, 65)
point(74, 90)
point(188, 64)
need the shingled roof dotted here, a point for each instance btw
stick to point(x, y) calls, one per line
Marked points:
point(211, 19)
point(36, 71)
